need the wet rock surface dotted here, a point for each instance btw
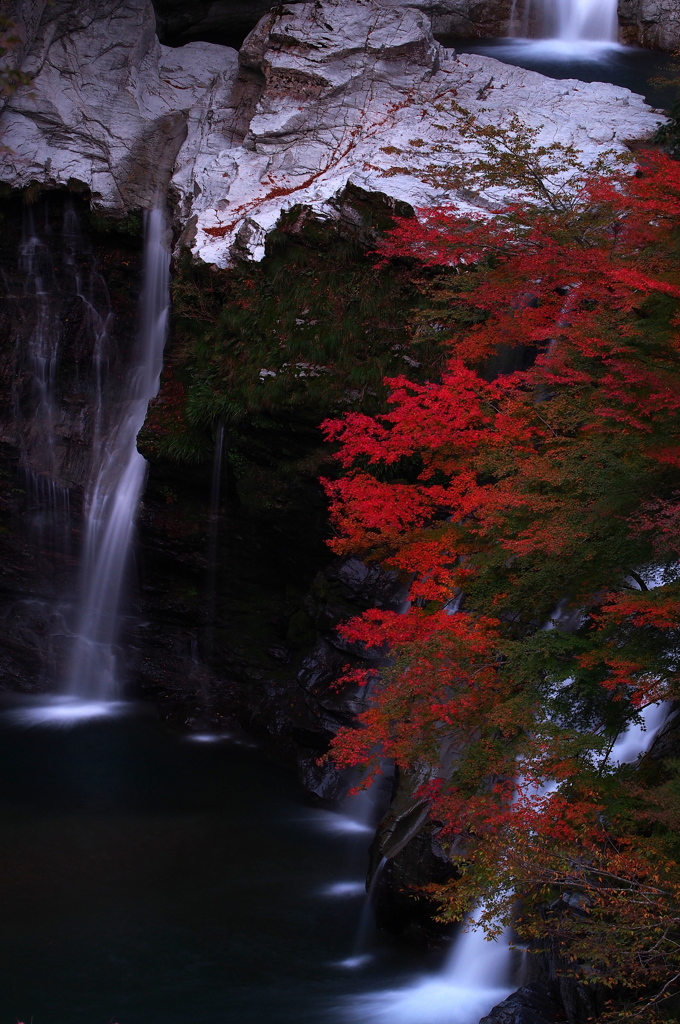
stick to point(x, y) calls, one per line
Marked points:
point(62, 287)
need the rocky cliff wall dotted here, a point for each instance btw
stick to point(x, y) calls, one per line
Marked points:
point(230, 21)
point(653, 23)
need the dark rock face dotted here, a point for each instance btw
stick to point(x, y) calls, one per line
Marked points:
point(213, 21)
point(653, 23)
point(666, 743)
point(400, 908)
point(63, 287)
point(531, 1004)
point(469, 19)
point(577, 1003)
point(262, 652)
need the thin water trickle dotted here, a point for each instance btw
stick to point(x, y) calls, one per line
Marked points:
point(116, 480)
point(213, 533)
point(41, 352)
point(48, 510)
point(361, 953)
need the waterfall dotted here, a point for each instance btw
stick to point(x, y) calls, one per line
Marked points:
point(365, 928)
point(476, 977)
point(638, 737)
point(568, 22)
point(476, 962)
point(116, 479)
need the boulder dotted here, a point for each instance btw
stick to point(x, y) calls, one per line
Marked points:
point(345, 84)
point(108, 106)
point(321, 97)
point(531, 1004)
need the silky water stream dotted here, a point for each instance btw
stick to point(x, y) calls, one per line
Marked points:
point(148, 879)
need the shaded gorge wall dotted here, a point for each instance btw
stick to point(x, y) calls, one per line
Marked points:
point(651, 23)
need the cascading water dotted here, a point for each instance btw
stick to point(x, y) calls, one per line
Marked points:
point(567, 23)
point(366, 927)
point(116, 480)
point(475, 977)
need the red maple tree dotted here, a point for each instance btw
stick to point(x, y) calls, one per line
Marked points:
point(535, 513)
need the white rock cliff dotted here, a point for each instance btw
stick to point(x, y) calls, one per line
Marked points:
point(318, 95)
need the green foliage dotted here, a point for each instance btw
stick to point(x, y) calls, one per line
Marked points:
point(311, 331)
point(102, 224)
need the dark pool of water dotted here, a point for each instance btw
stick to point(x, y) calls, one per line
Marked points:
point(629, 66)
point(147, 879)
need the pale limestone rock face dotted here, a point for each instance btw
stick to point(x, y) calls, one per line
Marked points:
point(26, 16)
point(346, 81)
point(108, 106)
point(318, 98)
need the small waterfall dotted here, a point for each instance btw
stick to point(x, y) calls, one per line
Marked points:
point(638, 737)
point(475, 978)
point(567, 22)
point(477, 964)
point(117, 475)
point(366, 927)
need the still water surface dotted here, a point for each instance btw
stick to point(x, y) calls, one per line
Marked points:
point(629, 66)
point(149, 879)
